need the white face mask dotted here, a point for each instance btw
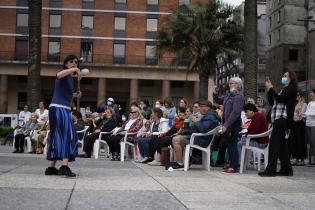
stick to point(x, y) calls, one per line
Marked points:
point(232, 89)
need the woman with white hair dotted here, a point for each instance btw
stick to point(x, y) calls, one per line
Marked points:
point(231, 122)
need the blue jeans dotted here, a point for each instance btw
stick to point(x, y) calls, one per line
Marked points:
point(143, 145)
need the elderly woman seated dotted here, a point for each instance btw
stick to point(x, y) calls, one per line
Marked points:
point(104, 124)
point(22, 132)
point(39, 135)
point(133, 125)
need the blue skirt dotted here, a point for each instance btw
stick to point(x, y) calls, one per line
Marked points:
point(63, 139)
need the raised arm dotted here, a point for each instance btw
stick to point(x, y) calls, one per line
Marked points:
point(66, 72)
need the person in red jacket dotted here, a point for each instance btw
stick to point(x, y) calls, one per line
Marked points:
point(258, 124)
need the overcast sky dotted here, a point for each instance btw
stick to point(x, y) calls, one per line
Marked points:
point(233, 2)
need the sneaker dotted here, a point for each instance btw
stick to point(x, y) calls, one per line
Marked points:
point(177, 167)
point(51, 171)
point(154, 163)
point(230, 171)
point(266, 174)
point(66, 171)
point(147, 160)
point(143, 160)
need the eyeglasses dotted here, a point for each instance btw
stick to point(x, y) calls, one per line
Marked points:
point(133, 112)
point(196, 107)
point(73, 61)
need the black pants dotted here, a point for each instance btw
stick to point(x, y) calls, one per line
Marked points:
point(89, 142)
point(19, 142)
point(114, 143)
point(297, 144)
point(278, 148)
point(154, 146)
point(223, 145)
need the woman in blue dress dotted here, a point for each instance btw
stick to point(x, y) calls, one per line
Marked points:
point(63, 140)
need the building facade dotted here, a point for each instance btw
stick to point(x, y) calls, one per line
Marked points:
point(286, 39)
point(311, 45)
point(116, 39)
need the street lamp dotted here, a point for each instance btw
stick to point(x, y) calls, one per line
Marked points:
point(306, 21)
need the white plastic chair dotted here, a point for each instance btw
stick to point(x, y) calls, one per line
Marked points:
point(256, 150)
point(46, 143)
point(99, 141)
point(28, 141)
point(205, 151)
point(124, 147)
point(81, 141)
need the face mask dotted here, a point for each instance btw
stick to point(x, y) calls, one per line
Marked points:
point(285, 81)
point(157, 106)
point(232, 89)
point(109, 103)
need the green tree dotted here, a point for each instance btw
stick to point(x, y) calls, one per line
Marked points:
point(250, 48)
point(203, 32)
point(34, 58)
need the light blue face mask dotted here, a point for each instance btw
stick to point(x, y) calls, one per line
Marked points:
point(284, 81)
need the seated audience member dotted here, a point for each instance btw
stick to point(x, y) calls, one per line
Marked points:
point(183, 103)
point(78, 122)
point(39, 135)
point(24, 116)
point(207, 122)
point(258, 124)
point(170, 111)
point(23, 132)
point(165, 139)
point(158, 126)
point(262, 105)
point(133, 125)
point(105, 124)
point(145, 109)
point(41, 112)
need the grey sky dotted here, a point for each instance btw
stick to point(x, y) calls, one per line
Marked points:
point(233, 2)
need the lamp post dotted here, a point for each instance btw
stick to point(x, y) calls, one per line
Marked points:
point(306, 21)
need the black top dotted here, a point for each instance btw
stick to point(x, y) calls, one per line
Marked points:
point(287, 96)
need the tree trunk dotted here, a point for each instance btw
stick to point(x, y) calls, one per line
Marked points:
point(34, 59)
point(203, 85)
point(250, 49)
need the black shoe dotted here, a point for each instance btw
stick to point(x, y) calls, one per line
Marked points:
point(282, 173)
point(177, 166)
point(16, 151)
point(147, 160)
point(51, 171)
point(21, 151)
point(66, 171)
point(84, 156)
point(266, 174)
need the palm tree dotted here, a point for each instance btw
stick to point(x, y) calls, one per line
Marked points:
point(34, 59)
point(250, 48)
point(202, 32)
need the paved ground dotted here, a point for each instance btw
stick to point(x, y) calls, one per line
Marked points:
point(102, 184)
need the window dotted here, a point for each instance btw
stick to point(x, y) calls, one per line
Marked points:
point(177, 84)
point(88, 0)
point(119, 54)
point(21, 49)
point(270, 21)
point(87, 22)
point(182, 2)
point(269, 39)
point(87, 51)
point(54, 21)
point(53, 51)
point(293, 55)
point(150, 55)
point(153, 2)
point(121, 1)
point(279, 16)
point(278, 35)
point(152, 25)
point(22, 20)
point(120, 23)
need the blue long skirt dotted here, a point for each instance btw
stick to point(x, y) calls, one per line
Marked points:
point(63, 139)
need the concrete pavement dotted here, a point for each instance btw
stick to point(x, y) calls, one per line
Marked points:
point(103, 184)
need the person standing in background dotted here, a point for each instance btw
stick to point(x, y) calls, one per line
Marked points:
point(310, 127)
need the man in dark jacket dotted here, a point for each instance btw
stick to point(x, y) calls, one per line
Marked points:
point(282, 111)
point(206, 123)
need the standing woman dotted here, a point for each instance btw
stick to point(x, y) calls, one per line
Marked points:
point(310, 126)
point(63, 139)
point(297, 139)
point(282, 112)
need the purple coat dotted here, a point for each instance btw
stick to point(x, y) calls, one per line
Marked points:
point(233, 104)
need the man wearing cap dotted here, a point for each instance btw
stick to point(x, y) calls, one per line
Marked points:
point(109, 103)
point(206, 123)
